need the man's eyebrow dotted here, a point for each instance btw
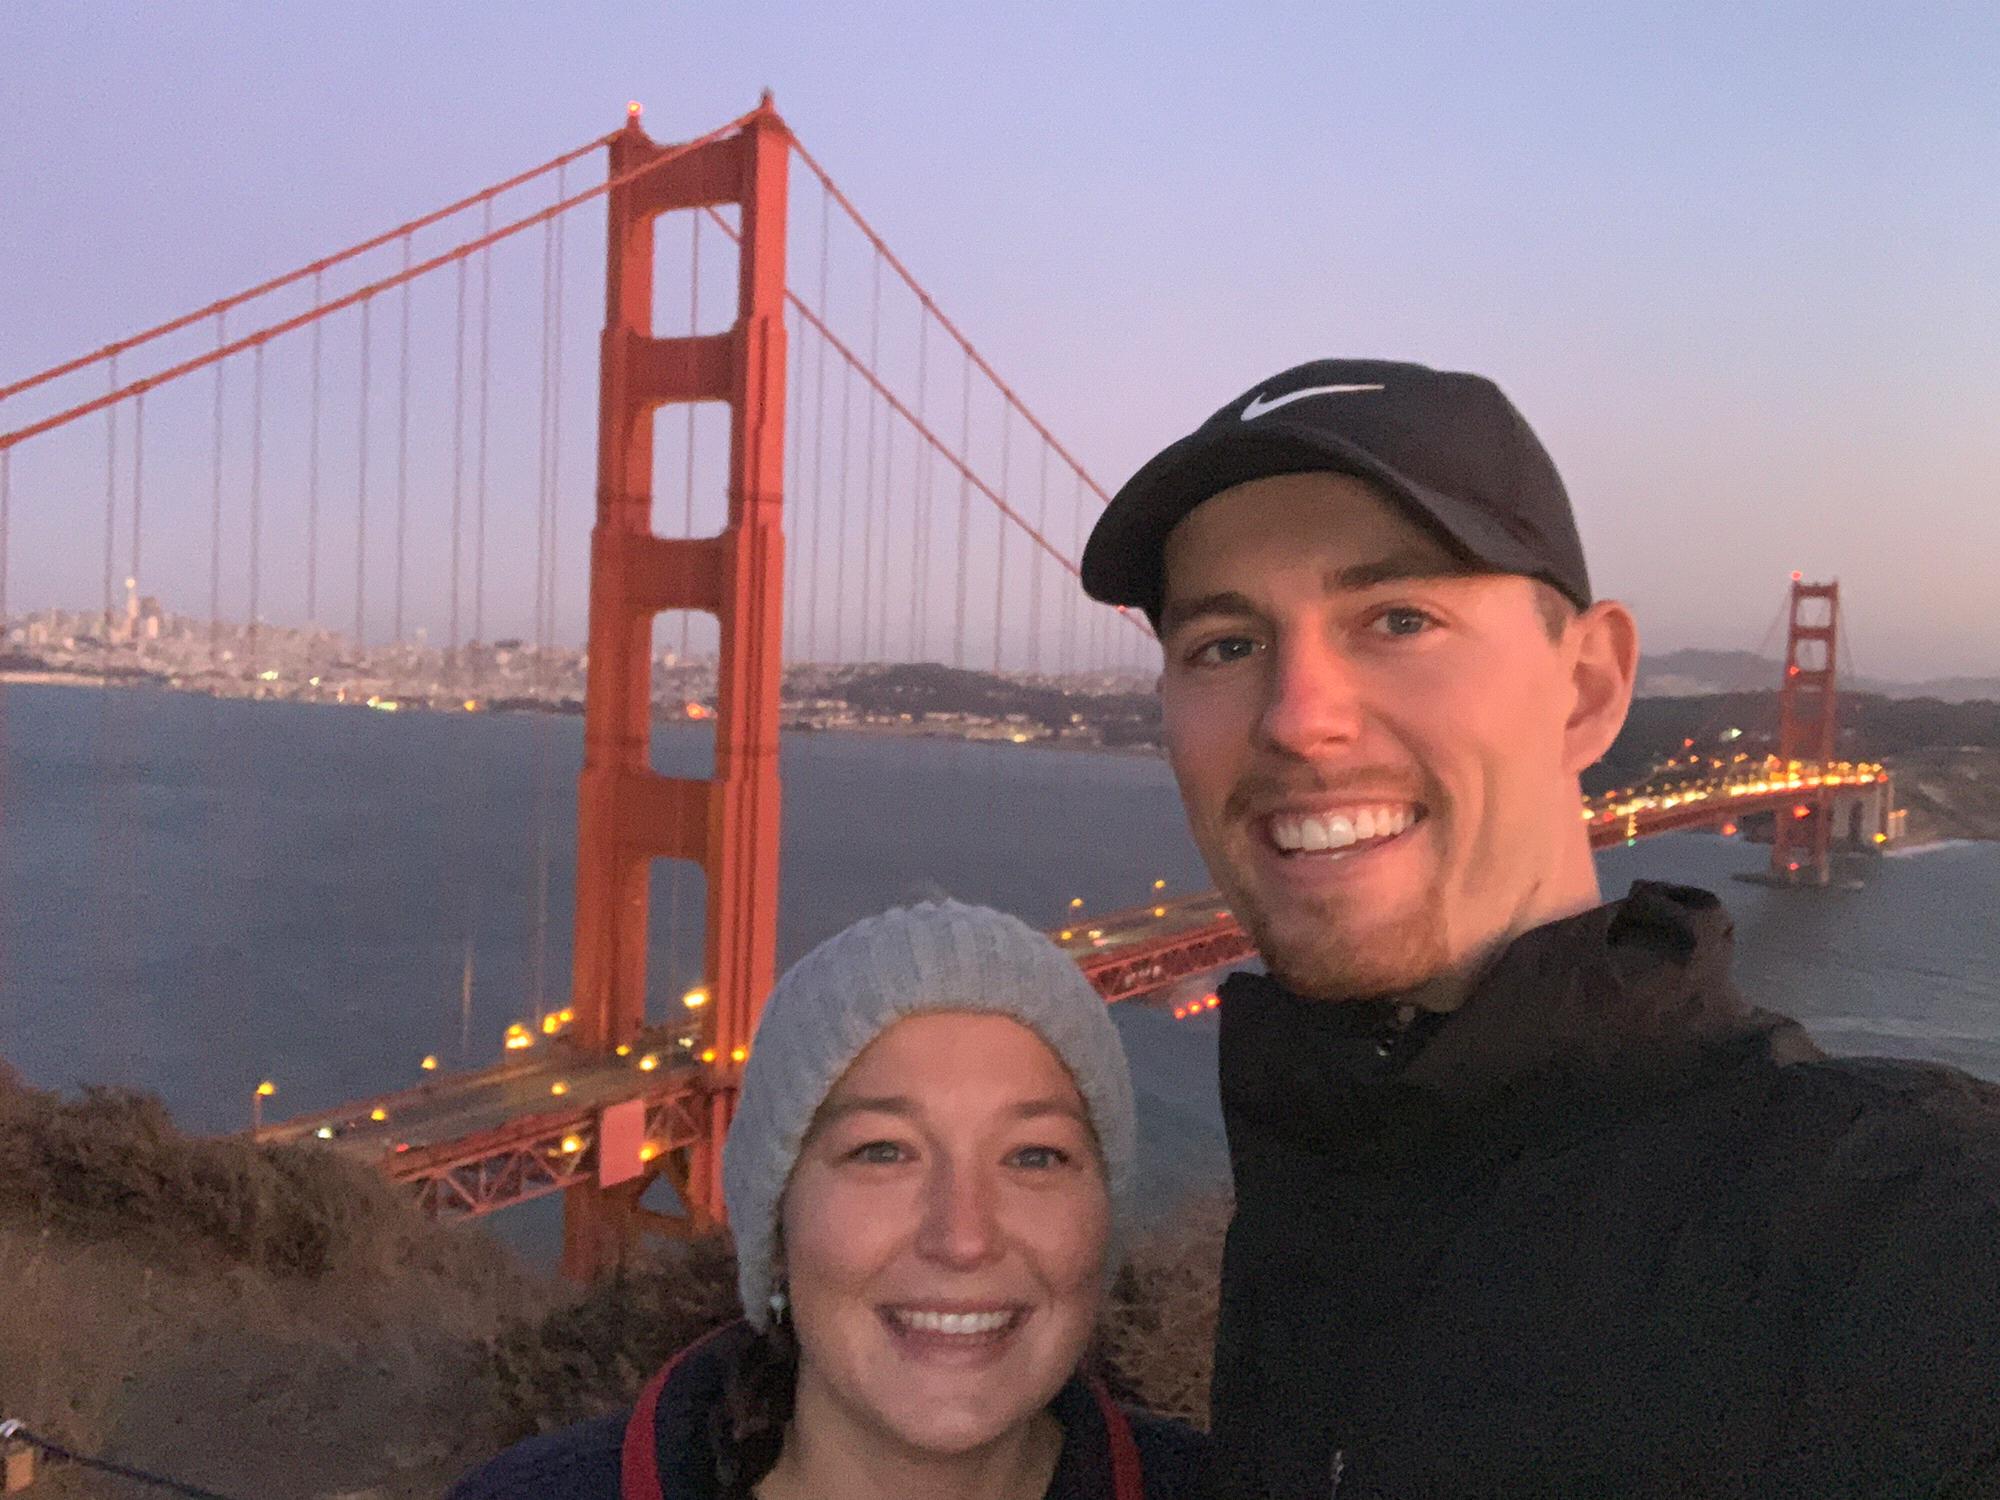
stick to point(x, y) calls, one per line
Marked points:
point(1178, 612)
point(1401, 566)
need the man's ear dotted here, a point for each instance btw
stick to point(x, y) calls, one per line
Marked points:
point(1604, 642)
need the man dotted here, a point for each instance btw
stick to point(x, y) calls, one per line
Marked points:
point(1529, 1201)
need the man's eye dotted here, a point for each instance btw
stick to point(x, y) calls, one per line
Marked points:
point(1402, 620)
point(1220, 652)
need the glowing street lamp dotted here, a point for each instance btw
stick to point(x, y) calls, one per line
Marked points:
point(263, 1091)
point(695, 998)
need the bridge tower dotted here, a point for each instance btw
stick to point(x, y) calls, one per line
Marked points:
point(628, 814)
point(1800, 846)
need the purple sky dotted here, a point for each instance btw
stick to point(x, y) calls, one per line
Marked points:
point(1737, 264)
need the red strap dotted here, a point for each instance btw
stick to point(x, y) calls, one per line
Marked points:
point(639, 1460)
point(1128, 1481)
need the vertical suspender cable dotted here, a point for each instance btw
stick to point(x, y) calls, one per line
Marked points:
point(457, 460)
point(215, 505)
point(544, 608)
point(1071, 590)
point(1035, 555)
point(888, 499)
point(138, 478)
point(110, 498)
point(868, 465)
point(466, 782)
point(840, 525)
point(819, 438)
point(361, 491)
point(402, 448)
point(794, 487)
point(312, 464)
point(920, 494)
point(694, 327)
point(6, 520)
point(1000, 567)
point(256, 490)
point(539, 631)
point(794, 484)
point(964, 509)
point(555, 409)
point(479, 468)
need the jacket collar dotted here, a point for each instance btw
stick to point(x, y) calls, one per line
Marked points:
point(1619, 1004)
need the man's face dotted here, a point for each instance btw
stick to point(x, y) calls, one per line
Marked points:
point(1376, 747)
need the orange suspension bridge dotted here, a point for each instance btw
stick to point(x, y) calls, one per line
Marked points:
point(845, 480)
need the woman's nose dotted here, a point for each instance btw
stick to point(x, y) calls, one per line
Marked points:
point(959, 1227)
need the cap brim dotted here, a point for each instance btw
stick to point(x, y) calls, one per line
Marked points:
point(1124, 560)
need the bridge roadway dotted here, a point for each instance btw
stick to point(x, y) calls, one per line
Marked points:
point(470, 1143)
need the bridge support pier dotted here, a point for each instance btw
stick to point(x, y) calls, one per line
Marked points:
point(628, 814)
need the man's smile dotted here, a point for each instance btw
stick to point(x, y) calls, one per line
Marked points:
point(1354, 826)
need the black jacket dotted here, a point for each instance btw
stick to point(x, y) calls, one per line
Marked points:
point(583, 1462)
point(1605, 1230)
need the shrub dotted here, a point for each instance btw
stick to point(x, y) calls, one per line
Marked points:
point(591, 1356)
point(110, 1167)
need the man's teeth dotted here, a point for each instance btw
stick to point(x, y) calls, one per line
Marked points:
point(954, 1323)
point(1338, 830)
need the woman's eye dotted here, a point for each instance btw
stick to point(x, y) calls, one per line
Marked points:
point(877, 1153)
point(1040, 1158)
point(1220, 652)
point(1403, 620)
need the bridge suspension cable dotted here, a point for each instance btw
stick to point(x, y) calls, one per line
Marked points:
point(315, 269)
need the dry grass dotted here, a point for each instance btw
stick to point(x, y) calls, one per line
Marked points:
point(110, 1167)
point(64, 1357)
point(591, 1356)
point(263, 1322)
point(1158, 1334)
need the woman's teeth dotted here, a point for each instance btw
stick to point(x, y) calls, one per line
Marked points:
point(960, 1324)
point(1302, 834)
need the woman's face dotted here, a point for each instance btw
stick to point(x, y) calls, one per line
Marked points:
point(945, 1233)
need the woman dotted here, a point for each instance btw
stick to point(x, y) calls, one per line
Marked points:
point(926, 1179)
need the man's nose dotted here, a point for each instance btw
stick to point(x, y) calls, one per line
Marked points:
point(1312, 698)
point(960, 1228)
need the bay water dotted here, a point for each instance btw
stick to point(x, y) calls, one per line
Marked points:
point(199, 894)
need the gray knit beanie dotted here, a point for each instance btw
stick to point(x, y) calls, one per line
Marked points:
point(850, 989)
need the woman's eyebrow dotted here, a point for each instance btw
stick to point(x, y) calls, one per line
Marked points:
point(868, 1104)
point(1031, 1109)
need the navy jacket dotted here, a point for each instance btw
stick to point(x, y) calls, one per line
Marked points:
point(584, 1462)
point(1605, 1230)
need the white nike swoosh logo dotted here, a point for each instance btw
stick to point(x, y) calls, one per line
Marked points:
point(1257, 405)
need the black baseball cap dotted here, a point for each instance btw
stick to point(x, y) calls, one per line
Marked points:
point(1448, 446)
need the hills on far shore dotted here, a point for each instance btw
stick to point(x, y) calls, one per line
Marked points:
point(1694, 672)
